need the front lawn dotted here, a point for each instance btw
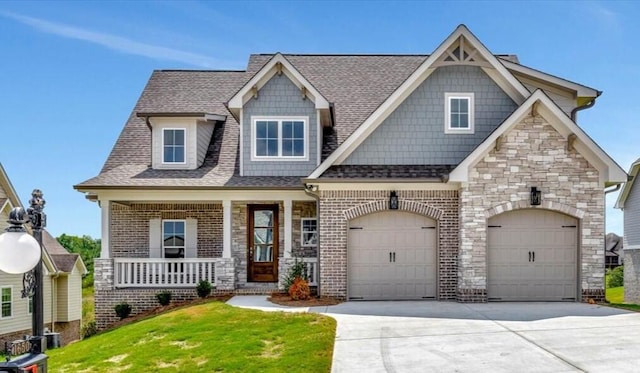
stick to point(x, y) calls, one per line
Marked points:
point(210, 337)
point(615, 297)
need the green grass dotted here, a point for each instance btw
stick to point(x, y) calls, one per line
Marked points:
point(88, 305)
point(210, 337)
point(615, 297)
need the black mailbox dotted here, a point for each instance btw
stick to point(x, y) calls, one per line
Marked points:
point(28, 363)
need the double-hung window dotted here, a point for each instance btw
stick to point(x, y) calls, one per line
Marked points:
point(309, 228)
point(173, 149)
point(173, 238)
point(459, 112)
point(7, 302)
point(280, 138)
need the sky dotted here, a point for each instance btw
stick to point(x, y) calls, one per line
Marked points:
point(71, 72)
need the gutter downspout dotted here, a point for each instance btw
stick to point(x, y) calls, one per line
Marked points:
point(617, 187)
point(574, 112)
point(312, 190)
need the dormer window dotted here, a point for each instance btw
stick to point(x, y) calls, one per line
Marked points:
point(173, 150)
point(459, 112)
point(280, 138)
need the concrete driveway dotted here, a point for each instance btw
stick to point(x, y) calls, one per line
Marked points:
point(432, 336)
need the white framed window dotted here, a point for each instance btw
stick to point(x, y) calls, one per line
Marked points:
point(279, 138)
point(459, 112)
point(309, 229)
point(173, 238)
point(7, 302)
point(173, 148)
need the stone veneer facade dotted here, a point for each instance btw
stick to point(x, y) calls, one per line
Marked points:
point(337, 208)
point(531, 154)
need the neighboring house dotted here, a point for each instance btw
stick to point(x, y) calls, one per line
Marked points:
point(459, 175)
point(613, 247)
point(62, 285)
point(629, 202)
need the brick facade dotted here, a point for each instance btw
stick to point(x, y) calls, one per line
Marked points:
point(69, 332)
point(337, 208)
point(130, 227)
point(533, 153)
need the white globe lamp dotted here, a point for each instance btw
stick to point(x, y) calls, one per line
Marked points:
point(19, 252)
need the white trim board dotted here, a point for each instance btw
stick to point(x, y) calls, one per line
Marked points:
point(266, 73)
point(608, 169)
point(634, 170)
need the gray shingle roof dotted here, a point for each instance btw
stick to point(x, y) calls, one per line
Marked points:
point(386, 171)
point(354, 84)
point(63, 259)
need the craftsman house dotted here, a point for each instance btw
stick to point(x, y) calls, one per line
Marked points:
point(629, 202)
point(62, 276)
point(459, 175)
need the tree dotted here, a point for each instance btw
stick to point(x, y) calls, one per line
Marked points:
point(88, 249)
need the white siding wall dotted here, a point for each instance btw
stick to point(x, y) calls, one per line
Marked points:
point(632, 216)
point(73, 297)
point(21, 318)
point(191, 134)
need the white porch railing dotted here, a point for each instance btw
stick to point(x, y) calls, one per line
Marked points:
point(162, 273)
point(312, 270)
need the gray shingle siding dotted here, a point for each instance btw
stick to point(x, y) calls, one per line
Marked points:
point(279, 97)
point(632, 216)
point(414, 132)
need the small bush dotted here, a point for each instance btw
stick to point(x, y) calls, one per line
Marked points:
point(123, 310)
point(203, 288)
point(89, 329)
point(164, 297)
point(299, 290)
point(297, 270)
point(616, 277)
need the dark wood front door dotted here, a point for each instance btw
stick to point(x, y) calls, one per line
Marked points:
point(263, 243)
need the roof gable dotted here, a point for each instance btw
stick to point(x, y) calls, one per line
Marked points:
point(633, 174)
point(277, 65)
point(609, 171)
point(7, 187)
point(461, 47)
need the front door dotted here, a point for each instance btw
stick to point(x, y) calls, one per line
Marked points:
point(263, 243)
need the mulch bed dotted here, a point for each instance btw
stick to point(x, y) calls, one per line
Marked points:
point(173, 305)
point(284, 299)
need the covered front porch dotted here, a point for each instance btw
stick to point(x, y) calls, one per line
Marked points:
point(234, 240)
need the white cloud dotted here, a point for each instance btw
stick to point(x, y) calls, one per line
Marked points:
point(115, 42)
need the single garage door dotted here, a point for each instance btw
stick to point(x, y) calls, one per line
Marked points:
point(392, 255)
point(532, 256)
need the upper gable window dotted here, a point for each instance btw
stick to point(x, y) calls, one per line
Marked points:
point(280, 138)
point(173, 149)
point(459, 112)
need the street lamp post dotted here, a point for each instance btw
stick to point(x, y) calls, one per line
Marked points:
point(22, 253)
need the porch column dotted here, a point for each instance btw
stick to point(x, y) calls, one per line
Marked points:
point(226, 229)
point(105, 208)
point(287, 228)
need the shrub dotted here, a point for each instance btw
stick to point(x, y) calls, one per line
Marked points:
point(297, 270)
point(89, 329)
point(164, 297)
point(203, 288)
point(616, 277)
point(299, 290)
point(123, 310)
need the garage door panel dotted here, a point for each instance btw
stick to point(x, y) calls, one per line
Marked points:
point(532, 255)
point(373, 274)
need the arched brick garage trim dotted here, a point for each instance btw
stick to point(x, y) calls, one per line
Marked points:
point(403, 205)
point(546, 205)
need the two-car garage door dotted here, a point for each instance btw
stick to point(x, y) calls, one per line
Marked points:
point(392, 255)
point(532, 256)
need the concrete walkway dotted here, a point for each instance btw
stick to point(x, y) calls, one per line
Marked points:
point(428, 336)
